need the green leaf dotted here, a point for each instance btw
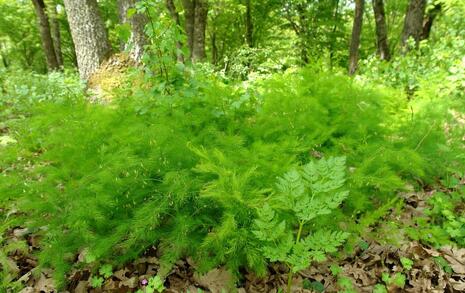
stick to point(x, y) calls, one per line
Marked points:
point(406, 263)
point(106, 271)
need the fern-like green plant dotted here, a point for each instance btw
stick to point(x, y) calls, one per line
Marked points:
point(304, 193)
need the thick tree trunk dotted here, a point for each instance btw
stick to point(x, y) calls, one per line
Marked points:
point(56, 34)
point(200, 27)
point(413, 23)
point(196, 12)
point(175, 15)
point(89, 35)
point(381, 30)
point(356, 33)
point(248, 23)
point(46, 37)
point(138, 39)
point(429, 19)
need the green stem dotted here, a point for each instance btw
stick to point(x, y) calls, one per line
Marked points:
point(290, 274)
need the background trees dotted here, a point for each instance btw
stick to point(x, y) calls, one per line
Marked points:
point(234, 36)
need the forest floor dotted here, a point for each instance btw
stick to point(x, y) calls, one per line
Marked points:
point(375, 266)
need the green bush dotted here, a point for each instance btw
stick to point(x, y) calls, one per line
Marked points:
point(188, 171)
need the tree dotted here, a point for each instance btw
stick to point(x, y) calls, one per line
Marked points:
point(137, 21)
point(45, 34)
point(413, 23)
point(429, 19)
point(196, 12)
point(381, 30)
point(175, 16)
point(248, 24)
point(356, 33)
point(89, 35)
point(55, 32)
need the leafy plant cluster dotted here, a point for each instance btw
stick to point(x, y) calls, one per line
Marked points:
point(444, 220)
point(305, 194)
point(190, 171)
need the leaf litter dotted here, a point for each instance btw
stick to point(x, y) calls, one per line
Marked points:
point(431, 270)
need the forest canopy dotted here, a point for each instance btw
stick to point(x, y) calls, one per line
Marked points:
point(232, 145)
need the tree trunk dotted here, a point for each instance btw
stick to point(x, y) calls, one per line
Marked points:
point(428, 21)
point(4, 56)
point(413, 23)
point(89, 35)
point(196, 12)
point(189, 22)
point(356, 33)
point(303, 33)
point(381, 30)
point(248, 24)
point(56, 34)
point(138, 39)
point(200, 27)
point(46, 37)
point(175, 15)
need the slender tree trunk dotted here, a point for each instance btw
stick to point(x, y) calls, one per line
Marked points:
point(214, 49)
point(200, 27)
point(381, 30)
point(4, 56)
point(303, 33)
point(175, 15)
point(56, 34)
point(429, 19)
point(356, 33)
point(89, 35)
point(137, 21)
point(189, 22)
point(196, 12)
point(248, 24)
point(333, 34)
point(413, 23)
point(46, 37)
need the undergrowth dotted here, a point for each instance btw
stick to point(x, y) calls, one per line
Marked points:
point(189, 171)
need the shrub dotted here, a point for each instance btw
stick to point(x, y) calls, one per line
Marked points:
point(188, 171)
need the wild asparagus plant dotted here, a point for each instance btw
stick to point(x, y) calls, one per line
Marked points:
point(304, 193)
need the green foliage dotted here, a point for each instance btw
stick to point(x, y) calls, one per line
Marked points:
point(96, 281)
point(443, 222)
point(407, 263)
point(396, 280)
point(311, 191)
point(188, 171)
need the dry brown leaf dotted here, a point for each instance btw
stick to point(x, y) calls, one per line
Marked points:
point(45, 284)
point(81, 287)
point(456, 258)
point(130, 283)
point(216, 280)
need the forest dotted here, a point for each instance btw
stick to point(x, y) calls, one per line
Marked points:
point(232, 146)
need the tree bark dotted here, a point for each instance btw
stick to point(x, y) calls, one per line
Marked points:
point(89, 35)
point(413, 23)
point(196, 12)
point(356, 33)
point(175, 16)
point(56, 34)
point(381, 30)
point(200, 27)
point(189, 22)
point(429, 19)
point(248, 24)
point(138, 39)
point(46, 37)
